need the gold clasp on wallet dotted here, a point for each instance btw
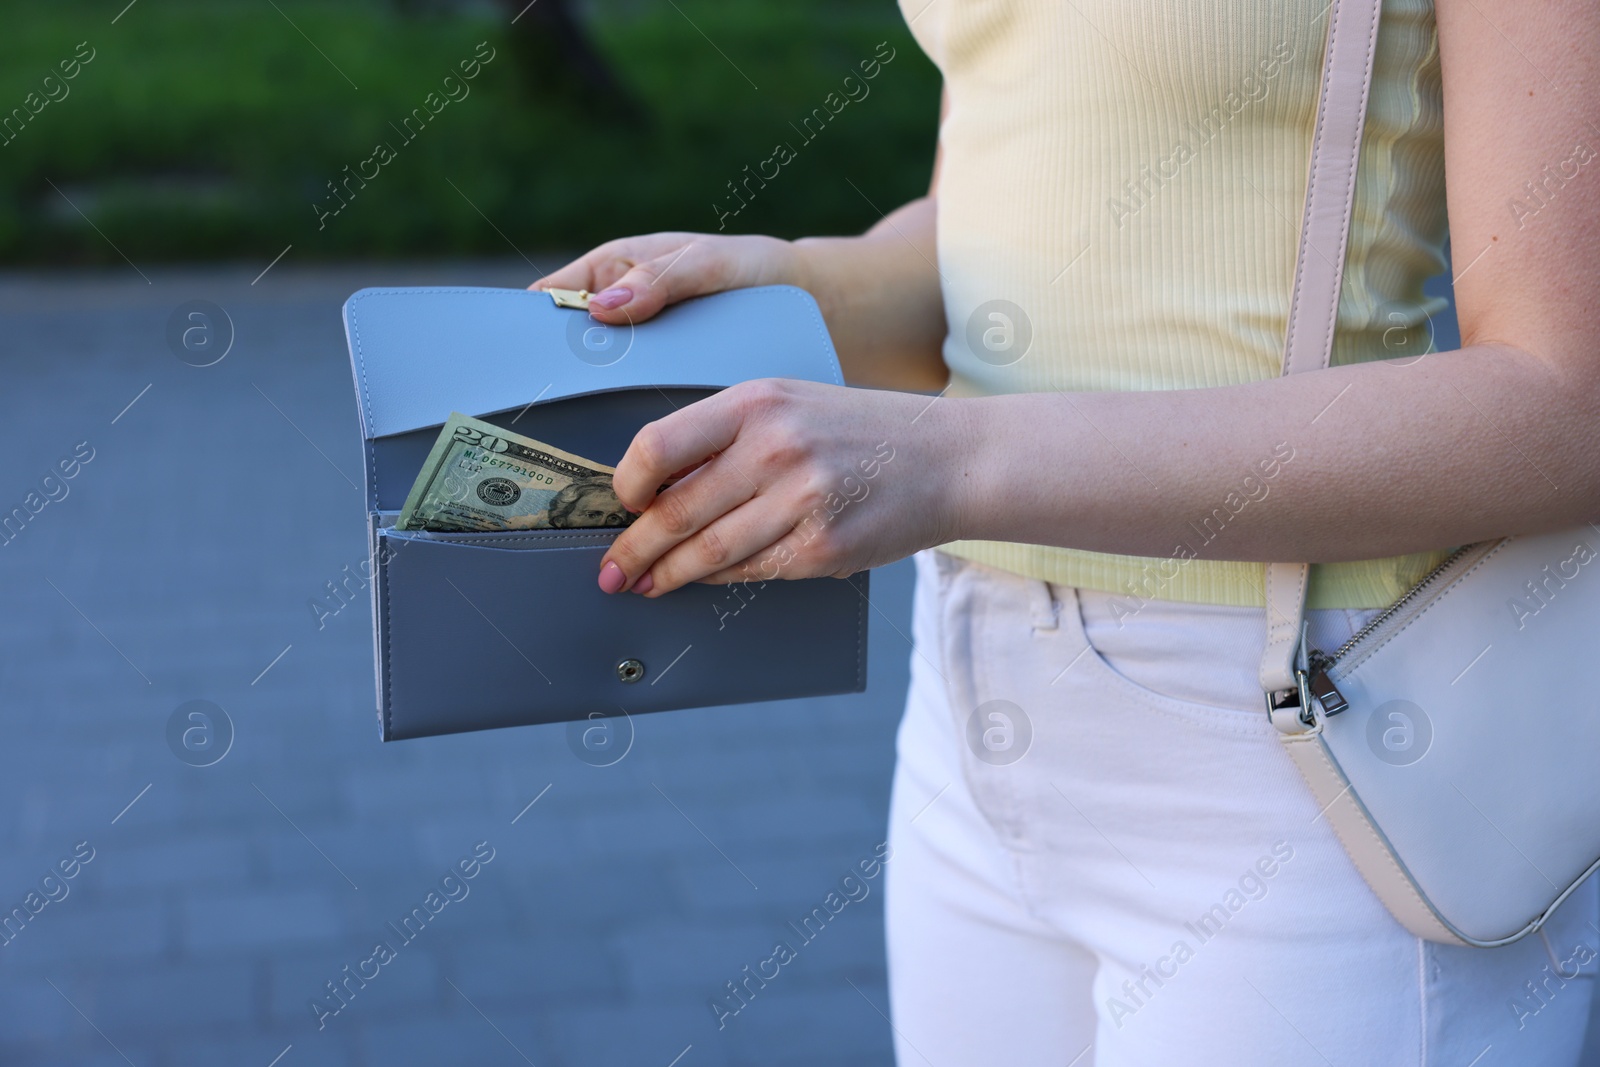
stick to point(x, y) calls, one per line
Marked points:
point(570, 298)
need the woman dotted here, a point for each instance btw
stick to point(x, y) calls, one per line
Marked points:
point(1101, 854)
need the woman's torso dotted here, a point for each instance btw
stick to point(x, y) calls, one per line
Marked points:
point(1121, 185)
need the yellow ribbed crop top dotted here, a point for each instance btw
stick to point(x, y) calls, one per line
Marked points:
point(1127, 177)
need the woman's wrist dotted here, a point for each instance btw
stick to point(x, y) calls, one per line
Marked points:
point(966, 470)
point(815, 264)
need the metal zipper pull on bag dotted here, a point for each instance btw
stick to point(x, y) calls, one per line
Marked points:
point(1449, 743)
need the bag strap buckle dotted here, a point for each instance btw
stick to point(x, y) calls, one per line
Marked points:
point(1291, 711)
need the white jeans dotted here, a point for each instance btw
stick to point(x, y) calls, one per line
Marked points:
point(1123, 868)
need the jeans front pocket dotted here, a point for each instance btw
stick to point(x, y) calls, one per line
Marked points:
point(1198, 661)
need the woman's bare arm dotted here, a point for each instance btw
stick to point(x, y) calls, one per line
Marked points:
point(880, 296)
point(1502, 436)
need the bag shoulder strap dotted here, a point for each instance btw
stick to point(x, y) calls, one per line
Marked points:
point(1319, 274)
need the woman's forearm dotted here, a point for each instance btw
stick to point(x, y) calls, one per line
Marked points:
point(1355, 462)
point(880, 296)
point(1499, 437)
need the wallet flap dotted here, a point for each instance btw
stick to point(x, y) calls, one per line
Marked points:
point(420, 353)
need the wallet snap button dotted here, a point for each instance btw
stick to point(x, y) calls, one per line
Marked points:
point(630, 670)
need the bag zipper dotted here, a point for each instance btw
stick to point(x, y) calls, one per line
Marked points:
point(1319, 663)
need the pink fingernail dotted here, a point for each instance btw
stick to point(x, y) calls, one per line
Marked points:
point(645, 584)
point(611, 578)
point(609, 299)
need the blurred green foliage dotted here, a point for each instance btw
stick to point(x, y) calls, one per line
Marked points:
point(210, 129)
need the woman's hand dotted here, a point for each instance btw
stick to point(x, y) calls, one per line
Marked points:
point(634, 277)
point(787, 479)
point(878, 293)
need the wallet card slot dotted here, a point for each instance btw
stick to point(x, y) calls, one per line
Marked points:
point(508, 540)
point(596, 426)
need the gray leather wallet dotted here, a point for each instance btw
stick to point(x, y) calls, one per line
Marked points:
point(479, 630)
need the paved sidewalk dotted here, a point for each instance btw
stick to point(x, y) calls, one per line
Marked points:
point(207, 507)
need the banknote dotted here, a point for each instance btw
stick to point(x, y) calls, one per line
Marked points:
point(480, 477)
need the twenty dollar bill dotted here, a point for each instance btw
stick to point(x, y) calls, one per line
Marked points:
point(480, 477)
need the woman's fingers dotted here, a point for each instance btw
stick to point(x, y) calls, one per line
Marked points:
point(692, 269)
point(678, 514)
point(785, 557)
point(740, 538)
point(633, 278)
point(680, 440)
point(601, 266)
point(799, 485)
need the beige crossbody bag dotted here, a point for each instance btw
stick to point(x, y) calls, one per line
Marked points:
point(1452, 743)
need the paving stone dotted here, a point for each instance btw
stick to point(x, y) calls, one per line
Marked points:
point(536, 969)
point(653, 1033)
point(89, 1051)
point(390, 794)
point(691, 959)
point(225, 922)
point(186, 863)
point(410, 982)
point(30, 1011)
point(789, 885)
point(75, 930)
point(464, 1038)
point(365, 852)
point(838, 1021)
point(318, 1050)
point(138, 1000)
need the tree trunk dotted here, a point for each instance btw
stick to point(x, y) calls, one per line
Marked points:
point(559, 63)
